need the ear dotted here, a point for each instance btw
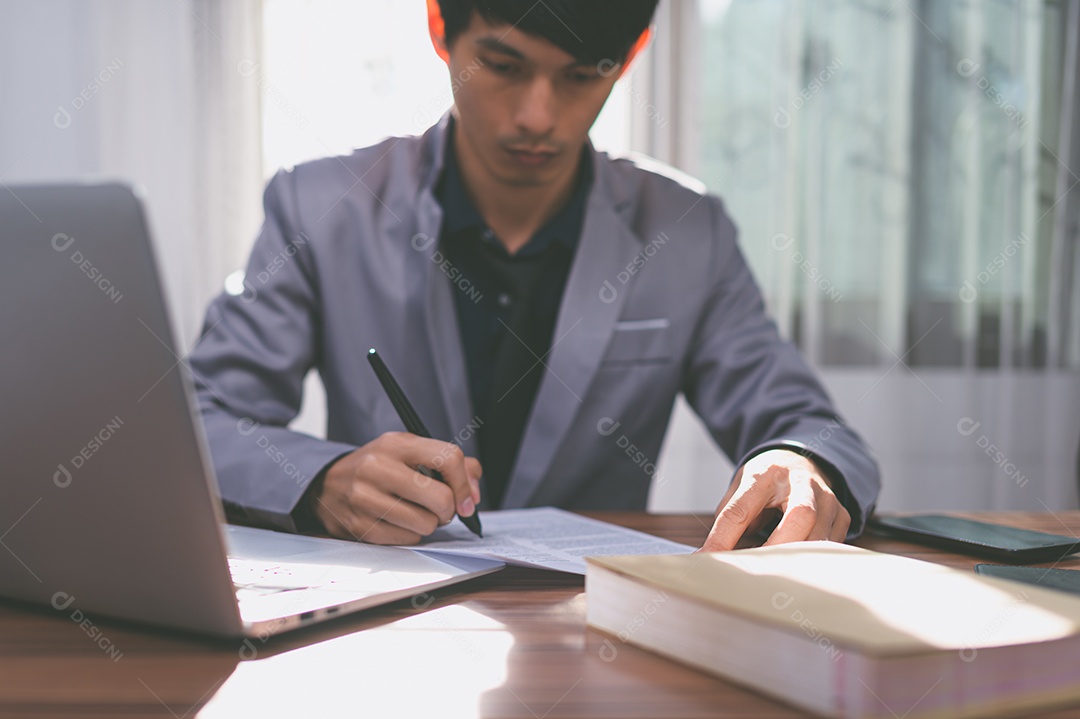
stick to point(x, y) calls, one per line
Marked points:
point(437, 30)
point(640, 44)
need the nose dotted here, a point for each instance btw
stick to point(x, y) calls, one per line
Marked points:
point(535, 115)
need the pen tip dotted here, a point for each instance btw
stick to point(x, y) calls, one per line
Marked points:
point(371, 351)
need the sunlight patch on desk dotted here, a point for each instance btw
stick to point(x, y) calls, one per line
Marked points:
point(383, 671)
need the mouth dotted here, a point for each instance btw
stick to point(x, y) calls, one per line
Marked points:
point(529, 156)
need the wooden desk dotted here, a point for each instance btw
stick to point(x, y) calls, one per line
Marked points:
point(512, 644)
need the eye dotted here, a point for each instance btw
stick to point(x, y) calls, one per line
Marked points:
point(501, 68)
point(582, 78)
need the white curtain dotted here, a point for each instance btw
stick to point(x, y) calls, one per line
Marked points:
point(147, 91)
point(905, 180)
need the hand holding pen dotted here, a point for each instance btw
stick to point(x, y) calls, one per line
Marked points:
point(415, 425)
point(381, 494)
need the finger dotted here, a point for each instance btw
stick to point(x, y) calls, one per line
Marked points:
point(341, 522)
point(833, 519)
point(733, 487)
point(427, 492)
point(734, 518)
point(757, 523)
point(827, 508)
point(800, 516)
point(823, 524)
point(840, 527)
point(390, 476)
point(836, 520)
point(370, 502)
point(475, 471)
point(447, 459)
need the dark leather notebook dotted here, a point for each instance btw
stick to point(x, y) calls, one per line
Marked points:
point(1067, 580)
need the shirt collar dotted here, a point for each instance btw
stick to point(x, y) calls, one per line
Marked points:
point(460, 214)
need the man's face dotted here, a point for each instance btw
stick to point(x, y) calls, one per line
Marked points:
point(524, 105)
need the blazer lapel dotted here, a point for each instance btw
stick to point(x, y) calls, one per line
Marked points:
point(440, 316)
point(448, 358)
point(592, 303)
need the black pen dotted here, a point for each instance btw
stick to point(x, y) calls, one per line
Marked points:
point(414, 425)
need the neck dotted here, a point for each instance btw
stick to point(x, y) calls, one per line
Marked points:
point(513, 212)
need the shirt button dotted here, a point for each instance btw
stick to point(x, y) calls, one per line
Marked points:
point(489, 235)
point(505, 300)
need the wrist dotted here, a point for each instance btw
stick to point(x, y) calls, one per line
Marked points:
point(304, 514)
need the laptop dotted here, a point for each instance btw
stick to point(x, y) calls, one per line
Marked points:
point(108, 501)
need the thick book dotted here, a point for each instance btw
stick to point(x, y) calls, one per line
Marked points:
point(847, 632)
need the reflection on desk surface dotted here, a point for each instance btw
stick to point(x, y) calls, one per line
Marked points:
point(80, 667)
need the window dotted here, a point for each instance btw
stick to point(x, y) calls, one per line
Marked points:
point(896, 172)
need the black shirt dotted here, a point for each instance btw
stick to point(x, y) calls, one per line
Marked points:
point(506, 306)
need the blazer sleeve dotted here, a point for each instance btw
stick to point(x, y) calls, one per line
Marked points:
point(249, 367)
point(754, 391)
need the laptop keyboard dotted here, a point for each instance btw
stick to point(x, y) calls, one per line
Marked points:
point(252, 577)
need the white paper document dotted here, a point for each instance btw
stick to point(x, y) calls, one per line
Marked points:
point(546, 537)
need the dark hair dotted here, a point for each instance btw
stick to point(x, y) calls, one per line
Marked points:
point(589, 30)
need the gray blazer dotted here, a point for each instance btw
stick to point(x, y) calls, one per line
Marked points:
point(659, 301)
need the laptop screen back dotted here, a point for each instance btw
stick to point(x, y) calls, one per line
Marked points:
point(108, 500)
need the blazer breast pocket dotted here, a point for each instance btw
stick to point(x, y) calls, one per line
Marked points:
point(640, 342)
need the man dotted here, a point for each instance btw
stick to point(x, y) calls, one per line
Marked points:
point(541, 304)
